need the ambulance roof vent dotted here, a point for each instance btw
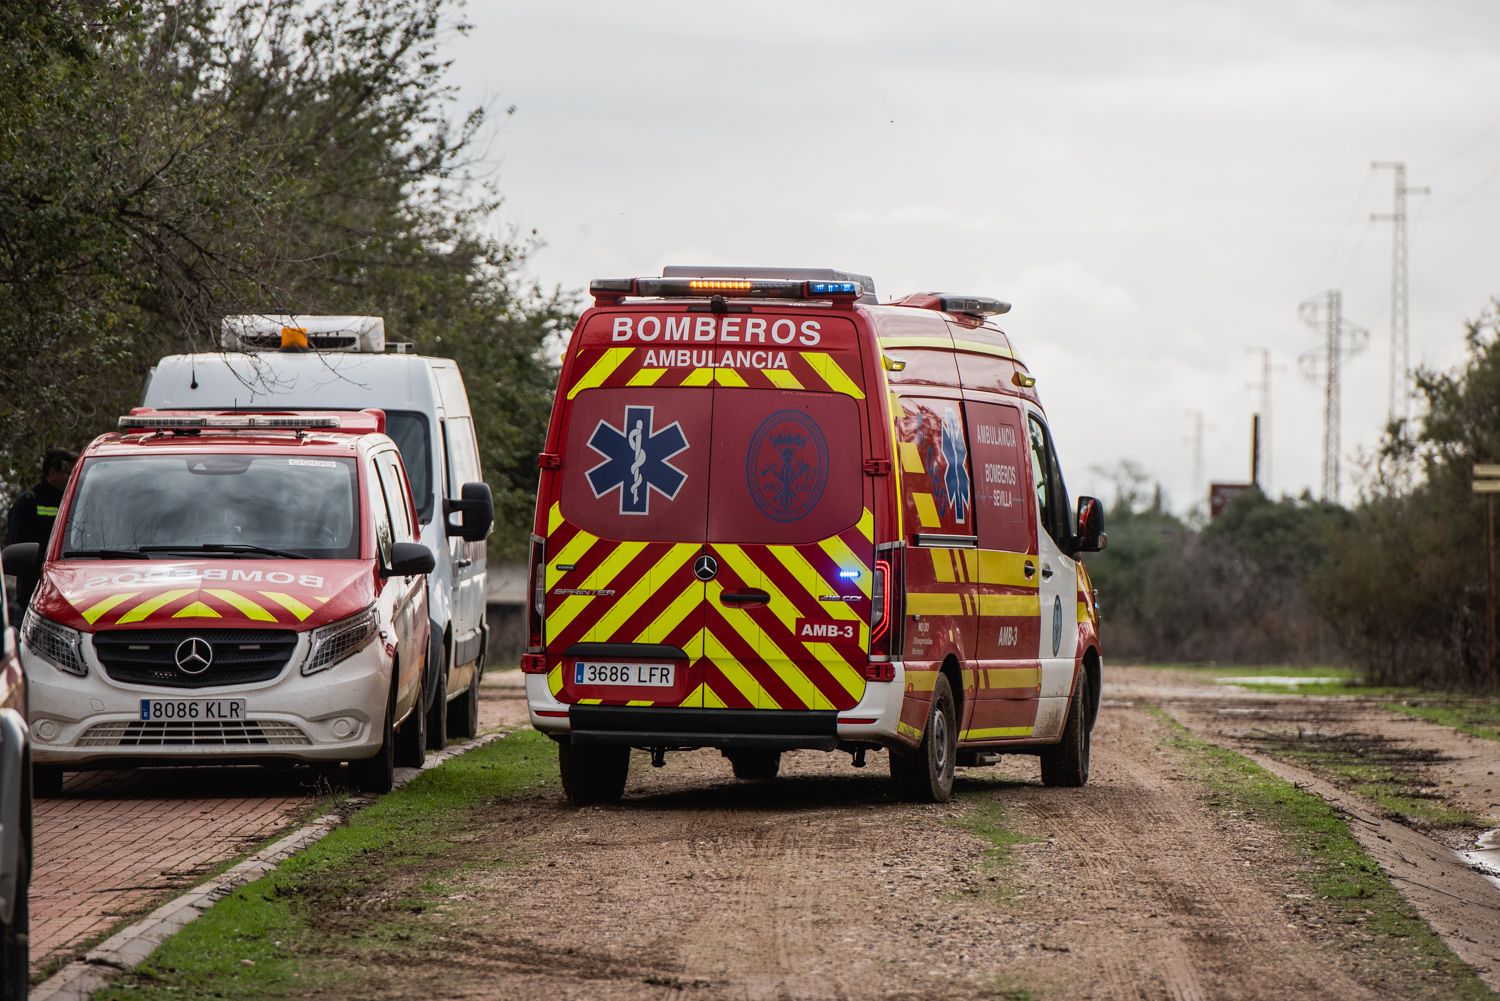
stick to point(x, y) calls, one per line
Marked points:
point(273, 331)
point(791, 274)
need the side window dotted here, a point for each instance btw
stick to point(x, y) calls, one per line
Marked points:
point(379, 513)
point(1051, 495)
point(1002, 506)
point(934, 456)
point(398, 500)
point(463, 453)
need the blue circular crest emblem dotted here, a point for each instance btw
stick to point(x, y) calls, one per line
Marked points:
point(786, 465)
point(1057, 624)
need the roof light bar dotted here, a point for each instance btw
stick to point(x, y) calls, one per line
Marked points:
point(612, 290)
point(245, 422)
point(972, 305)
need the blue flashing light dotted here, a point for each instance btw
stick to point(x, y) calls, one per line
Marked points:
point(849, 574)
point(833, 288)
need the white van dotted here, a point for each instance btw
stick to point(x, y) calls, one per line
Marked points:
point(340, 363)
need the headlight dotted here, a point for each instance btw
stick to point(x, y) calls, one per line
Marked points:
point(343, 639)
point(56, 644)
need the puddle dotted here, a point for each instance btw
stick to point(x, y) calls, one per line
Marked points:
point(1276, 680)
point(1484, 857)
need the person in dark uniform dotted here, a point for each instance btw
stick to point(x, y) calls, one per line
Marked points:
point(35, 512)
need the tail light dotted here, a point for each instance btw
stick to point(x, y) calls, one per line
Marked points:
point(887, 608)
point(536, 606)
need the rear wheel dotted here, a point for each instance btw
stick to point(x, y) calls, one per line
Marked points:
point(1067, 764)
point(755, 766)
point(47, 780)
point(411, 739)
point(378, 773)
point(463, 714)
point(437, 714)
point(593, 774)
point(926, 774)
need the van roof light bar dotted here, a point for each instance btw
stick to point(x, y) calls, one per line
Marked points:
point(607, 291)
point(971, 305)
point(228, 422)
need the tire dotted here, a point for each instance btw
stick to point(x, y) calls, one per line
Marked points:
point(925, 775)
point(47, 781)
point(378, 773)
point(437, 713)
point(593, 774)
point(411, 739)
point(1067, 764)
point(463, 712)
point(755, 766)
point(14, 942)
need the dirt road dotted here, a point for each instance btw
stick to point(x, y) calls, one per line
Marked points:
point(819, 885)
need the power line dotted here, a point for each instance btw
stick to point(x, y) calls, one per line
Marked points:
point(1341, 338)
point(1398, 402)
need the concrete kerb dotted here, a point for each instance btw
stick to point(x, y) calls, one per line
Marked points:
point(129, 947)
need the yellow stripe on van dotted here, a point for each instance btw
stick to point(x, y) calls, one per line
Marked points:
point(832, 373)
point(1027, 606)
point(145, 608)
point(942, 565)
point(1083, 612)
point(554, 680)
point(1012, 677)
point(1008, 569)
point(911, 459)
point(554, 518)
point(969, 564)
point(290, 604)
point(734, 672)
point(847, 560)
point(197, 610)
point(93, 612)
point(981, 348)
point(812, 582)
point(866, 525)
point(699, 377)
point(781, 378)
point(926, 507)
point(652, 582)
point(839, 669)
point(646, 377)
point(570, 606)
point(244, 605)
point(602, 369)
point(689, 601)
point(928, 603)
point(729, 377)
point(995, 732)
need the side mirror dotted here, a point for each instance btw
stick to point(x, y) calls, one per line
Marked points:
point(1090, 537)
point(476, 511)
point(22, 558)
point(409, 558)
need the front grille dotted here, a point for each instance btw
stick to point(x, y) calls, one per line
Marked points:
point(194, 733)
point(148, 656)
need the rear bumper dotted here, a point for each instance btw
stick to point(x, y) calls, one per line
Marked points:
point(873, 721)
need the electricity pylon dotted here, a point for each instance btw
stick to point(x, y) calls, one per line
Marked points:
point(1341, 338)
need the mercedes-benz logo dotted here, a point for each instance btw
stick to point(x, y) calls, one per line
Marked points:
point(194, 655)
point(705, 567)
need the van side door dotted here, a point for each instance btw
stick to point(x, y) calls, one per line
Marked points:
point(1058, 581)
point(410, 592)
point(461, 448)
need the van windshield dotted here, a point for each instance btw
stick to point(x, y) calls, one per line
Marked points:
point(293, 504)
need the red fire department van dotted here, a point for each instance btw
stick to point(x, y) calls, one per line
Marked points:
point(230, 587)
point(773, 514)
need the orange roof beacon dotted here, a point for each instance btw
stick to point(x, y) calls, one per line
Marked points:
point(230, 587)
point(774, 514)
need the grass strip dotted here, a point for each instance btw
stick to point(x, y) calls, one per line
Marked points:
point(268, 938)
point(1477, 718)
point(1340, 872)
point(986, 821)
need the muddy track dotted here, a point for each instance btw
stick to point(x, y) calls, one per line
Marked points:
point(819, 885)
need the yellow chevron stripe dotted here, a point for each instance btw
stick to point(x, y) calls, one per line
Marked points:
point(554, 680)
point(981, 348)
point(866, 525)
point(244, 605)
point(969, 564)
point(907, 730)
point(1083, 612)
point(699, 377)
point(646, 377)
point(708, 699)
point(681, 607)
point(1014, 605)
point(197, 610)
point(847, 559)
point(781, 378)
point(928, 603)
point(1012, 677)
point(145, 608)
point(850, 680)
point(652, 581)
point(992, 732)
point(729, 377)
point(603, 574)
point(811, 581)
point(554, 518)
point(830, 372)
point(577, 547)
point(911, 459)
point(93, 612)
point(734, 672)
point(602, 369)
point(926, 507)
point(290, 604)
point(1009, 569)
point(942, 565)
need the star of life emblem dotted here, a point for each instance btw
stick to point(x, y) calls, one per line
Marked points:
point(636, 460)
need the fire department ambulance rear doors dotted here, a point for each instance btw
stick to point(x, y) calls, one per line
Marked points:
point(709, 544)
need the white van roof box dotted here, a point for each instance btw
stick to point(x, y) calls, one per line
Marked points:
point(264, 332)
point(793, 274)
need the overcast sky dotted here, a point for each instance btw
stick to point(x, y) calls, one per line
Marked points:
point(1154, 186)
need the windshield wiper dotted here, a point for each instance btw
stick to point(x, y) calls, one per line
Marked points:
point(102, 554)
point(226, 547)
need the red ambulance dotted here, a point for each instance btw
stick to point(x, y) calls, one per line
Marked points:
point(774, 514)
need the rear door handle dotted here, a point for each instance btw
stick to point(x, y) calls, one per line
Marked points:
point(1046, 572)
point(744, 597)
point(1029, 569)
